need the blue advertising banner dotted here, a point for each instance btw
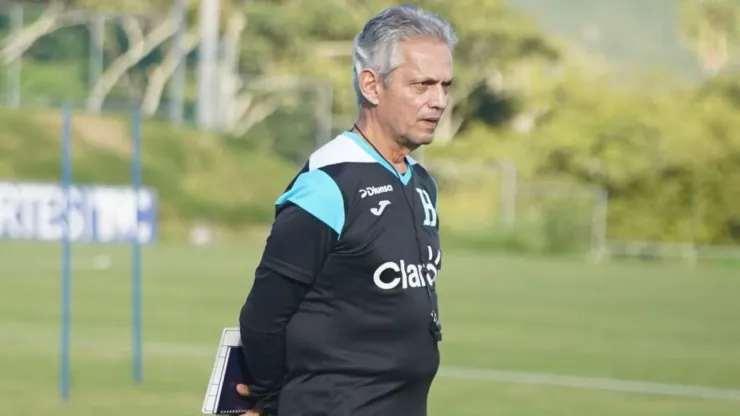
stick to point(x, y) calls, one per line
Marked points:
point(98, 213)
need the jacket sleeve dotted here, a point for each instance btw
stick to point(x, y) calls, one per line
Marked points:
point(308, 222)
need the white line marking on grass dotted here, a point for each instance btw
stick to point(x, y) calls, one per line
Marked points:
point(119, 350)
point(591, 383)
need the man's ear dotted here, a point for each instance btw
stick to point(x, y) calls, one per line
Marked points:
point(370, 84)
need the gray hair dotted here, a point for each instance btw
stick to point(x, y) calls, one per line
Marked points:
point(375, 47)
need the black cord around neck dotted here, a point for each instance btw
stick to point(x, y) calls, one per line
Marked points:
point(436, 325)
point(356, 127)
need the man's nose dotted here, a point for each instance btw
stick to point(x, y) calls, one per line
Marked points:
point(439, 98)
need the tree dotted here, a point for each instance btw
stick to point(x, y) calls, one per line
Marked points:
point(140, 44)
point(59, 14)
point(495, 45)
point(498, 50)
point(54, 17)
point(712, 29)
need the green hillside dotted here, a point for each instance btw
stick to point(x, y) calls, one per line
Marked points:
point(198, 176)
point(632, 35)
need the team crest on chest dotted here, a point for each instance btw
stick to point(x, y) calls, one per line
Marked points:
point(430, 213)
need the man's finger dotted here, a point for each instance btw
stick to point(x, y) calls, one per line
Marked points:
point(242, 389)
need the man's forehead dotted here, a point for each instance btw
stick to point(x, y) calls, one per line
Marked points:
point(426, 59)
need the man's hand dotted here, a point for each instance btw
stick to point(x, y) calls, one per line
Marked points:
point(243, 390)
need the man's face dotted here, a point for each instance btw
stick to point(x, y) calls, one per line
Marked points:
point(416, 97)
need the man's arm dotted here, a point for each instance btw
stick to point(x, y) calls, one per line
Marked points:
point(307, 225)
point(263, 319)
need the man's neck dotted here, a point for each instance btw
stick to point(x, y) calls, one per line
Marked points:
point(384, 143)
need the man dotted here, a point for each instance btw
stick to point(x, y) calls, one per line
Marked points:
point(342, 318)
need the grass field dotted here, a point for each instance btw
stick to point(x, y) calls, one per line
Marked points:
point(514, 327)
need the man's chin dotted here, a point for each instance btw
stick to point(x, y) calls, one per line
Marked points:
point(419, 139)
point(423, 138)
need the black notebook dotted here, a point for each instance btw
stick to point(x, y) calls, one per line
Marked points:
point(229, 369)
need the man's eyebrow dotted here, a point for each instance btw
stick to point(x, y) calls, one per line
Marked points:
point(433, 80)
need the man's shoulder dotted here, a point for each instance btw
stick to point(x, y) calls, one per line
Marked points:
point(340, 151)
point(329, 169)
point(342, 161)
